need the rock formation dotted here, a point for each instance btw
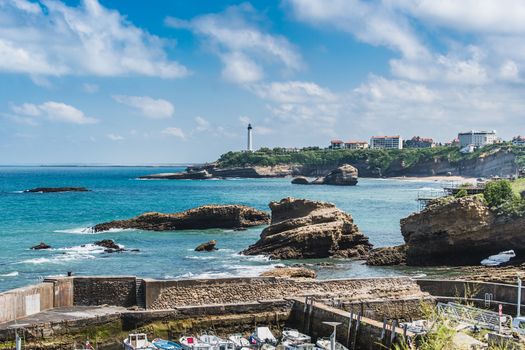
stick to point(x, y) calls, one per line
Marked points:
point(302, 229)
point(208, 216)
point(290, 272)
point(41, 246)
point(207, 247)
point(457, 232)
point(184, 175)
point(56, 189)
point(110, 246)
point(385, 256)
point(345, 175)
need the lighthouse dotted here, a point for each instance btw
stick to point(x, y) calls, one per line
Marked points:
point(250, 148)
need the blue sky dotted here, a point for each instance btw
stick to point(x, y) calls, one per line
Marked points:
point(174, 81)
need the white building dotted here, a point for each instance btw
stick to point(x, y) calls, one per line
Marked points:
point(337, 144)
point(356, 144)
point(389, 142)
point(477, 138)
point(518, 141)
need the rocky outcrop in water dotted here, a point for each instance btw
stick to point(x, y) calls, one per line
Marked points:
point(41, 246)
point(300, 180)
point(386, 256)
point(56, 189)
point(460, 231)
point(345, 175)
point(208, 216)
point(207, 247)
point(302, 229)
point(290, 272)
point(185, 175)
point(211, 171)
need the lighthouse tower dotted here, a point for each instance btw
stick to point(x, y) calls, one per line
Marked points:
point(250, 146)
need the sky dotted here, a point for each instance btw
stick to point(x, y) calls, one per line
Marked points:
point(177, 81)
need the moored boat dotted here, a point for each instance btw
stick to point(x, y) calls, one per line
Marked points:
point(293, 335)
point(138, 341)
point(326, 344)
point(193, 343)
point(240, 342)
point(216, 342)
point(263, 336)
point(165, 344)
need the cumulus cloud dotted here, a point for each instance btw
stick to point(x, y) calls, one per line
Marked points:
point(50, 38)
point(147, 106)
point(235, 35)
point(176, 132)
point(52, 111)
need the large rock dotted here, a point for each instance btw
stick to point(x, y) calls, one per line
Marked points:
point(300, 180)
point(41, 246)
point(210, 171)
point(208, 216)
point(207, 247)
point(460, 232)
point(345, 175)
point(184, 175)
point(301, 229)
point(56, 189)
point(290, 272)
point(385, 256)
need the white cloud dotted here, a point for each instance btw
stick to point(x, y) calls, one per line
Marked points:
point(147, 106)
point(237, 38)
point(52, 39)
point(173, 131)
point(202, 124)
point(293, 92)
point(115, 137)
point(53, 111)
point(90, 88)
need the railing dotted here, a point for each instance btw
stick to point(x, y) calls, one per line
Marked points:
point(468, 314)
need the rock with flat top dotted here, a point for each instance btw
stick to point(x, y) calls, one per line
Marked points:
point(302, 229)
point(345, 175)
point(207, 247)
point(56, 189)
point(41, 246)
point(290, 272)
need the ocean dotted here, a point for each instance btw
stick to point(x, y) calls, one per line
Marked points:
point(62, 221)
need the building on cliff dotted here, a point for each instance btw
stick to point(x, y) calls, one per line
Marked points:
point(388, 142)
point(477, 138)
point(419, 142)
point(518, 141)
point(356, 145)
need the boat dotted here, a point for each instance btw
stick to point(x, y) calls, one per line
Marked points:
point(138, 341)
point(263, 336)
point(216, 342)
point(193, 343)
point(326, 344)
point(240, 342)
point(290, 345)
point(293, 335)
point(165, 344)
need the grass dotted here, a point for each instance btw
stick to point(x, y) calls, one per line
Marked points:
point(518, 186)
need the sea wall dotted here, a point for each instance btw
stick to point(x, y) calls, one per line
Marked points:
point(171, 294)
point(21, 302)
point(117, 291)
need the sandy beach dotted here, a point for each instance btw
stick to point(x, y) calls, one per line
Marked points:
point(455, 179)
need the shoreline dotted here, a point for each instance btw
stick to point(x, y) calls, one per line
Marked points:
point(435, 178)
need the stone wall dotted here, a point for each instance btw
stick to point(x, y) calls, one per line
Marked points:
point(171, 294)
point(117, 291)
point(406, 309)
point(25, 301)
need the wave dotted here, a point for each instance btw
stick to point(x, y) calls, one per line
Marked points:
point(68, 254)
point(10, 274)
point(497, 259)
point(258, 258)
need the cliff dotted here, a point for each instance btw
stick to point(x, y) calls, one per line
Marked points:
point(302, 229)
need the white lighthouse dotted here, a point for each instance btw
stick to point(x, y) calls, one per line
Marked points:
point(250, 146)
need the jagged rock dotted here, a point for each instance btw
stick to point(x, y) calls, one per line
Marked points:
point(460, 231)
point(387, 256)
point(56, 189)
point(301, 229)
point(290, 272)
point(207, 247)
point(41, 246)
point(108, 243)
point(300, 180)
point(208, 216)
point(345, 175)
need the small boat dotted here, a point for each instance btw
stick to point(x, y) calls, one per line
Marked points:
point(216, 342)
point(288, 345)
point(240, 342)
point(326, 344)
point(293, 335)
point(262, 336)
point(138, 341)
point(193, 343)
point(165, 344)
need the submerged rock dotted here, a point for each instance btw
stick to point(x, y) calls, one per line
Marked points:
point(302, 229)
point(290, 272)
point(56, 189)
point(460, 231)
point(207, 247)
point(107, 243)
point(208, 216)
point(41, 246)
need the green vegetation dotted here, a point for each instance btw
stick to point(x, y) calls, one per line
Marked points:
point(504, 198)
point(461, 193)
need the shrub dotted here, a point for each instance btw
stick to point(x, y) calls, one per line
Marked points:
point(498, 192)
point(461, 193)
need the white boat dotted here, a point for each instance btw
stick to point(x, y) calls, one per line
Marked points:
point(326, 344)
point(263, 335)
point(240, 342)
point(138, 341)
point(217, 343)
point(289, 345)
point(193, 343)
point(293, 335)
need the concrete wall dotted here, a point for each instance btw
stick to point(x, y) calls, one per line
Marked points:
point(117, 291)
point(62, 291)
point(25, 301)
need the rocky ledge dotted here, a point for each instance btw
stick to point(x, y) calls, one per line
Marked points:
point(56, 189)
point(290, 272)
point(302, 229)
point(204, 217)
point(345, 175)
point(212, 171)
point(455, 232)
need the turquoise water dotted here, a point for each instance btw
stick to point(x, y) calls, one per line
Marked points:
point(61, 219)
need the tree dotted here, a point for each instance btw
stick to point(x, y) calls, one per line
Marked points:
point(498, 192)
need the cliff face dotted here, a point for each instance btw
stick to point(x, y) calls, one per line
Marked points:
point(302, 228)
point(459, 232)
point(208, 216)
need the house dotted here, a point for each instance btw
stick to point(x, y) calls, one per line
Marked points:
point(356, 144)
point(518, 141)
point(337, 144)
point(387, 142)
point(419, 142)
point(477, 138)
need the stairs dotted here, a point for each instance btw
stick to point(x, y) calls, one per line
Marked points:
point(140, 293)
